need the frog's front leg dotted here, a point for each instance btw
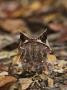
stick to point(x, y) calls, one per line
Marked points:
point(15, 67)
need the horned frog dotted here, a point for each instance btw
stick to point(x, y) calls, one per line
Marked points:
point(33, 54)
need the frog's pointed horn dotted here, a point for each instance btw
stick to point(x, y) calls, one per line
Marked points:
point(43, 36)
point(23, 37)
point(35, 29)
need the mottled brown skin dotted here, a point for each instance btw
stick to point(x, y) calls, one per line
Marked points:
point(31, 63)
point(33, 55)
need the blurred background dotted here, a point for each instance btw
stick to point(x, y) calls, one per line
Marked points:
point(14, 15)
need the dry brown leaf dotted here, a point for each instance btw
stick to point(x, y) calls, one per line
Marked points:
point(51, 58)
point(6, 80)
point(25, 83)
point(50, 82)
